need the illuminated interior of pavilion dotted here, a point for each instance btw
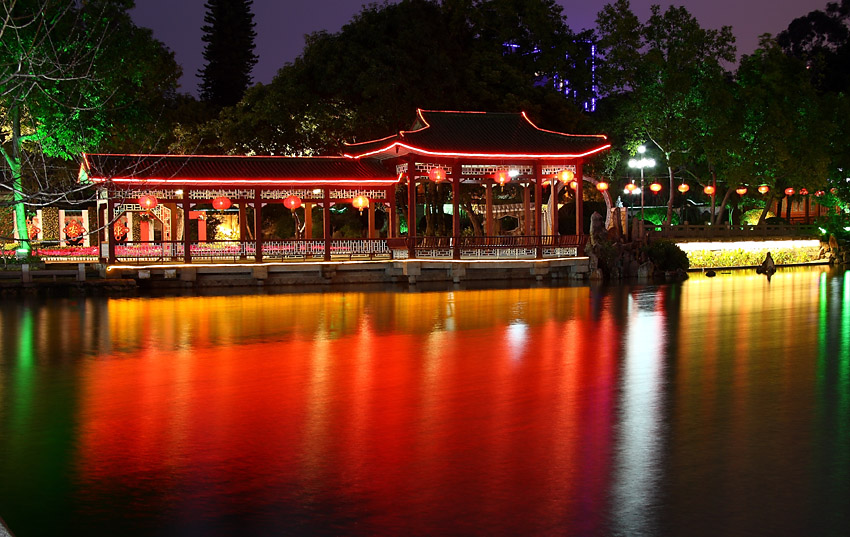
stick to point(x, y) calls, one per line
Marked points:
point(153, 206)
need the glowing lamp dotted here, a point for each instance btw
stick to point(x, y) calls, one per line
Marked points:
point(360, 203)
point(820, 193)
point(710, 190)
point(221, 203)
point(502, 177)
point(655, 187)
point(804, 192)
point(631, 187)
point(684, 188)
point(148, 202)
point(789, 191)
point(574, 184)
point(764, 189)
point(438, 175)
point(602, 186)
point(292, 202)
point(741, 190)
point(566, 176)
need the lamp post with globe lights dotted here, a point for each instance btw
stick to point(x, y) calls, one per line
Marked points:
point(640, 164)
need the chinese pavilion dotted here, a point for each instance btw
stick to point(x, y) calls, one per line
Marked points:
point(459, 148)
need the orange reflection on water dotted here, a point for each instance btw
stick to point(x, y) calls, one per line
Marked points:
point(420, 408)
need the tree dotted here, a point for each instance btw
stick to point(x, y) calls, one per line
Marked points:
point(664, 67)
point(72, 77)
point(368, 79)
point(785, 130)
point(821, 39)
point(229, 52)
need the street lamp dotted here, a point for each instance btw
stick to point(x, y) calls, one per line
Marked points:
point(641, 163)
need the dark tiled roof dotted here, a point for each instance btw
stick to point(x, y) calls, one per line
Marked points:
point(240, 170)
point(479, 134)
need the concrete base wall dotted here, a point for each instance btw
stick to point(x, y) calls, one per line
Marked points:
point(292, 274)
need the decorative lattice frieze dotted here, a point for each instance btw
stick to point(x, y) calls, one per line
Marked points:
point(281, 194)
point(352, 193)
point(210, 194)
point(552, 170)
point(489, 170)
point(136, 193)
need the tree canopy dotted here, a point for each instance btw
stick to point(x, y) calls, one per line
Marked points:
point(368, 79)
point(229, 51)
point(74, 78)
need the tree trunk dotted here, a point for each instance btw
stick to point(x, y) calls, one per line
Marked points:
point(14, 162)
point(474, 219)
point(669, 219)
point(723, 205)
point(764, 211)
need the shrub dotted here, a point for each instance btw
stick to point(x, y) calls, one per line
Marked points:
point(749, 258)
point(666, 255)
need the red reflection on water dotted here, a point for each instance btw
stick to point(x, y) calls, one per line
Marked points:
point(505, 424)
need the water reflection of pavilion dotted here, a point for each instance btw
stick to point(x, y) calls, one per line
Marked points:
point(456, 152)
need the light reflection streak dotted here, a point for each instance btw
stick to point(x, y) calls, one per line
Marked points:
point(639, 442)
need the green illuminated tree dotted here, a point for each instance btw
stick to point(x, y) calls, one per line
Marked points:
point(73, 77)
point(663, 69)
point(785, 131)
point(229, 52)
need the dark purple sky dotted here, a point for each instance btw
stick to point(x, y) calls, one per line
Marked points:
point(282, 24)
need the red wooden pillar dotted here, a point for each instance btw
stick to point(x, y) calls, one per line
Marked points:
point(308, 220)
point(411, 208)
point(538, 207)
point(371, 233)
point(392, 226)
point(579, 199)
point(110, 227)
point(553, 207)
point(488, 209)
point(187, 244)
point(326, 221)
point(258, 226)
point(457, 169)
point(527, 224)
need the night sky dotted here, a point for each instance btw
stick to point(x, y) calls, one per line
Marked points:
point(282, 24)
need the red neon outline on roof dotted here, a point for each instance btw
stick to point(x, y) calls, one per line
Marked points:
point(252, 157)
point(604, 137)
point(370, 141)
point(196, 181)
point(419, 112)
point(476, 155)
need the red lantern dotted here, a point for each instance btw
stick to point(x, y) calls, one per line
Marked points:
point(804, 192)
point(631, 187)
point(789, 191)
point(602, 186)
point(741, 190)
point(574, 185)
point(221, 203)
point(764, 189)
point(684, 188)
point(438, 175)
point(502, 177)
point(148, 202)
point(655, 187)
point(709, 190)
point(820, 193)
point(360, 203)
point(566, 176)
point(292, 202)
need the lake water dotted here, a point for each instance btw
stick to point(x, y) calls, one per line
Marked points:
point(713, 407)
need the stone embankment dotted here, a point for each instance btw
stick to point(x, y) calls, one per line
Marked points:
point(128, 279)
point(837, 251)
